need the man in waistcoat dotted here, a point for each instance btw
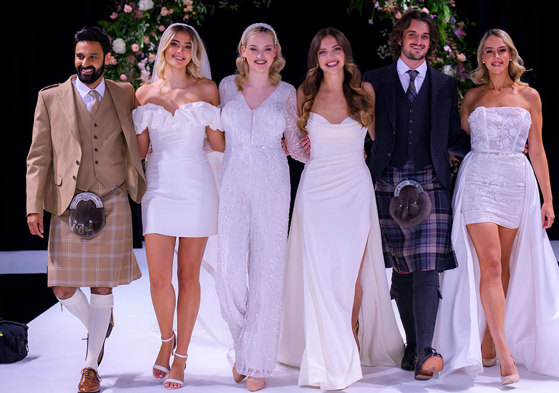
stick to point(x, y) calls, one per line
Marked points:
point(83, 146)
point(416, 124)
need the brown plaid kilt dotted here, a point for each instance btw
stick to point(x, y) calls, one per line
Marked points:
point(426, 246)
point(106, 260)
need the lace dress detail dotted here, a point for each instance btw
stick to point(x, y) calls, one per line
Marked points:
point(494, 186)
point(531, 317)
point(253, 220)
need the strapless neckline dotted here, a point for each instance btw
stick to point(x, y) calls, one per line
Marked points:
point(343, 122)
point(180, 107)
point(498, 107)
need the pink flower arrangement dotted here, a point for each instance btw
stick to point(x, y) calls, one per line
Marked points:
point(135, 28)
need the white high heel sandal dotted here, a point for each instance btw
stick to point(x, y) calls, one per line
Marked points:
point(172, 380)
point(161, 368)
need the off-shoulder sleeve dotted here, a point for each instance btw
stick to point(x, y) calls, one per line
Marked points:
point(143, 118)
point(213, 117)
point(202, 113)
point(292, 134)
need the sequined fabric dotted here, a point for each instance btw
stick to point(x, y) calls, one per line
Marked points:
point(495, 184)
point(253, 219)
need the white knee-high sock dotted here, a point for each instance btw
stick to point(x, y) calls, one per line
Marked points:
point(99, 318)
point(78, 305)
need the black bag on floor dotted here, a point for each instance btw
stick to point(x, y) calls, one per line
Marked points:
point(13, 341)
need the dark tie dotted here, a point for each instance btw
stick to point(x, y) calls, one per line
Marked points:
point(95, 104)
point(412, 93)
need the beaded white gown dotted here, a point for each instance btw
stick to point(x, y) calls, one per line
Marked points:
point(496, 183)
point(181, 197)
point(334, 221)
point(254, 201)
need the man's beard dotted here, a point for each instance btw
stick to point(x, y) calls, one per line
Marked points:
point(88, 79)
point(410, 54)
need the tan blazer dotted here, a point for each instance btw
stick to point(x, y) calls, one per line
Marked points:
point(55, 153)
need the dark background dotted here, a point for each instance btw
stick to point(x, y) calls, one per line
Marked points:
point(40, 53)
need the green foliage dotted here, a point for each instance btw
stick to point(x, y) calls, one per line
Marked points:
point(453, 56)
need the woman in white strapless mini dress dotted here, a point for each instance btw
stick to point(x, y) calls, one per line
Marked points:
point(498, 232)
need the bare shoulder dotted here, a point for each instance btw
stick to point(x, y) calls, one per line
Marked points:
point(300, 92)
point(143, 93)
point(471, 98)
point(531, 95)
point(206, 90)
point(369, 89)
point(206, 85)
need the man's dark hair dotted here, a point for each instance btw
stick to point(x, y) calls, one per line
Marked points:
point(403, 23)
point(93, 33)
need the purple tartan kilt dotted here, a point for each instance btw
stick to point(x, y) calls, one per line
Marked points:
point(426, 246)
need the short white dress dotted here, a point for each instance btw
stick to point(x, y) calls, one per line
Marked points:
point(181, 198)
point(496, 183)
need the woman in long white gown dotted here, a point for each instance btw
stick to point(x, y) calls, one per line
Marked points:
point(178, 111)
point(334, 228)
point(508, 278)
point(258, 110)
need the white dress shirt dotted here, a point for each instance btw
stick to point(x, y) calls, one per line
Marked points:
point(83, 91)
point(402, 69)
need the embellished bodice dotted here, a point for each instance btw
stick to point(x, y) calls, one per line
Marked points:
point(499, 129)
point(260, 129)
point(495, 170)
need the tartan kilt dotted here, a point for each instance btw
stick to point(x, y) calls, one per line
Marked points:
point(426, 246)
point(107, 260)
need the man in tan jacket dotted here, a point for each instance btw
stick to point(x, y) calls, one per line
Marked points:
point(84, 141)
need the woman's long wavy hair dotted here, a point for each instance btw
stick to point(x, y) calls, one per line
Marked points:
point(242, 65)
point(358, 101)
point(516, 67)
point(193, 68)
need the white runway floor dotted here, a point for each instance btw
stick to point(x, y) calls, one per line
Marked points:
point(57, 353)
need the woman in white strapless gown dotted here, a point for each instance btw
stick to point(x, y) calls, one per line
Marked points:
point(334, 228)
point(498, 231)
point(178, 111)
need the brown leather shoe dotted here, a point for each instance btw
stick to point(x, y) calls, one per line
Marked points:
point(90, 381)
point(428, 362)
